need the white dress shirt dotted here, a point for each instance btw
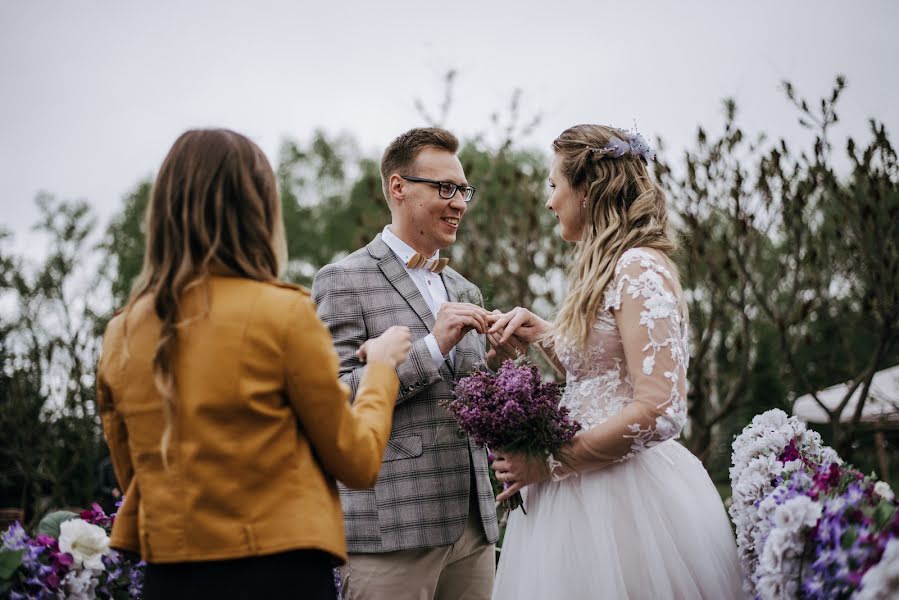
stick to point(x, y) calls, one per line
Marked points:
point(429, 284)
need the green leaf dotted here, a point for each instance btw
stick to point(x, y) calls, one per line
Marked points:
point(49, 525)
point(883, 514)
point(848, 538)
point(9, 562)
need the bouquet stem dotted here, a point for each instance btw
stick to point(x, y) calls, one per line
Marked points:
point(515, 501)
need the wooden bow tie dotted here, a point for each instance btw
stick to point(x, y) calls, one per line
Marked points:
point(433, 265)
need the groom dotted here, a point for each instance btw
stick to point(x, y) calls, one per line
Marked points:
point(427, 528)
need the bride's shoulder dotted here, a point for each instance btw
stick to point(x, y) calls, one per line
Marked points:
point(640, 272)
point(641, 259)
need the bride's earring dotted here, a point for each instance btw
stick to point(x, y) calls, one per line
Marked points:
point(584, 203)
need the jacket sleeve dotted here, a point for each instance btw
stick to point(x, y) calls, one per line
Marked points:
point(646, 304)
point(115, 431)
point(338, 306)
point(349, 439)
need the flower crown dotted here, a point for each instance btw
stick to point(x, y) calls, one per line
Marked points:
point(633, 144)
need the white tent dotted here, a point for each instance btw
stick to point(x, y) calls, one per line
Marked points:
point(882, 405)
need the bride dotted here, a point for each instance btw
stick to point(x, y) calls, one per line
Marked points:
point(623, 510)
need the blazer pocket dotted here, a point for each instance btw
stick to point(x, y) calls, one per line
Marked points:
point(403, 447)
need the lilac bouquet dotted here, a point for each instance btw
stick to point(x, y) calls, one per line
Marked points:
point(68, 558)
point(512, 410)
point(809, 526)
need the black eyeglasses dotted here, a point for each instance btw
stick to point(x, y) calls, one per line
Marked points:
point(446, 189)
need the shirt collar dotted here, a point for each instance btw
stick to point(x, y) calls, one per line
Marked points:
point(401, 249)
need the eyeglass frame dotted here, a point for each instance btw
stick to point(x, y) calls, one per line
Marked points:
point(456, 187)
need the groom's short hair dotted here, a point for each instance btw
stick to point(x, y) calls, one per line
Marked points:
point(402, 152)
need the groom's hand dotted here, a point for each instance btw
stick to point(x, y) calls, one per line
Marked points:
point(454, 320)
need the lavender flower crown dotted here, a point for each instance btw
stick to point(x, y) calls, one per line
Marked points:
point(633, 144)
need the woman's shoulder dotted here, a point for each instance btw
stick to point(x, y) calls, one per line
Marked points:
point(274, 291)
point(640, 271)
point(641, 259)
point(275, 302)
point(285, 291)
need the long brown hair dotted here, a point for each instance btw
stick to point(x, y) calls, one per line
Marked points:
point(214, 205)
point(624, 209)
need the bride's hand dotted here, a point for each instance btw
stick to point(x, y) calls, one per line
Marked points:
point(522, 323)
point(501, 351)
point(516, 470)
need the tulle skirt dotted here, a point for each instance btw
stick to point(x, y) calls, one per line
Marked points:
point(651, 527)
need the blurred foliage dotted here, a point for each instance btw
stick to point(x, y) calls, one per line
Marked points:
point(52, 445)
point(791, 273)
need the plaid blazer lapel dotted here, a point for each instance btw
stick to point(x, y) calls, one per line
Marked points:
point(396, 274)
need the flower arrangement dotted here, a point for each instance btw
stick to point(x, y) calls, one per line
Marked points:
point(512, 410)
point(807, 525)
point(68, 558)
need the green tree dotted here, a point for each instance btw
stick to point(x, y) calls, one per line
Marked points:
point(123, 245)
point(52, 446)
point(790, 271)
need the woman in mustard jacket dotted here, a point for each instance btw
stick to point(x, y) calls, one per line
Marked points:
point(219, 392)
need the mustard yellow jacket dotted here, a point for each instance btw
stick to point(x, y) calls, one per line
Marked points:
point(262, 426)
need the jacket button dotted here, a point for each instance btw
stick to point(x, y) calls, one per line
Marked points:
point(460, 434)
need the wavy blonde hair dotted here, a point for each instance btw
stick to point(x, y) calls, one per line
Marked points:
point(624, 209)
point(214, 206)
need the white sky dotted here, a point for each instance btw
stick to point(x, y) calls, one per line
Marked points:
point(94, 93)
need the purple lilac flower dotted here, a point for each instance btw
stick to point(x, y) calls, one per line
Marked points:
point(512, 409)
point(15, 537)
point(844, 545)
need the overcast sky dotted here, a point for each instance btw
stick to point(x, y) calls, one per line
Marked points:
point(94, 93)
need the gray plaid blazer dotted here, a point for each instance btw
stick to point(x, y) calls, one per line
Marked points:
point(421, 499)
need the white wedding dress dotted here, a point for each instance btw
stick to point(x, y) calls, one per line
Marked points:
point(642, 519)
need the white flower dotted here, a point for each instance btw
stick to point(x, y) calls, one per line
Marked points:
point(829, 455)
point(779, 543)
point(881, 582)
point(78, 585)
point(778, 565)
point(796, 513)
point(835, 505)
point(770, 418)
point(882, 489)
point(773, 586)
point(86, 543)
point(792, 465)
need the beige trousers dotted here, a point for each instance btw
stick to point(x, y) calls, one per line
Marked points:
point(463, 570)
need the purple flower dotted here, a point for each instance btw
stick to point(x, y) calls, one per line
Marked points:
point(512, 409)
point(46, 541)
point(15, 537)
point(790, 453)
point(96, 516)
point(43, 570)
point(617, 148)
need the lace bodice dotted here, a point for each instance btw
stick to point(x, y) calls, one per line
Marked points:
point(627, 388)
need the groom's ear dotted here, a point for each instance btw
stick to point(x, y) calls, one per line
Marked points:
point(396, 188)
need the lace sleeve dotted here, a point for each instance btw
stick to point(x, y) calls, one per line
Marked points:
point(644, 299)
